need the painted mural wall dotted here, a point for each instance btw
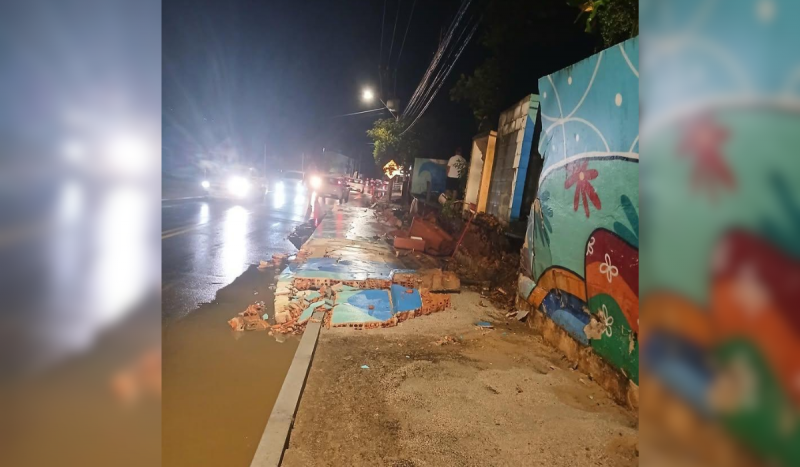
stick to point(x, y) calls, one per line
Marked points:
point(429, 170)
point(582, 242)
point(721, 290)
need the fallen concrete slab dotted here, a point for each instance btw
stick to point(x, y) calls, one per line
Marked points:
point(353, 279)
point(433, 280)
point(356, 307)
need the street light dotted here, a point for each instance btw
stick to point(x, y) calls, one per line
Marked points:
point(367, 95)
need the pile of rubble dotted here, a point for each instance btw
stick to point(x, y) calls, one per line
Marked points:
point(251, 319)
point(277, 260)
point(480, 249)
point(425, 236)
point(255, 318)
point(389, 214)
point(297, 301)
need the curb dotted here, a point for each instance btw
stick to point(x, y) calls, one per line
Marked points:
point(275, 438)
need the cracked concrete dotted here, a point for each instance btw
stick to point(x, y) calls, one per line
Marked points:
point(439, 391)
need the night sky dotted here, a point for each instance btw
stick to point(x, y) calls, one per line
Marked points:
point(251, 72)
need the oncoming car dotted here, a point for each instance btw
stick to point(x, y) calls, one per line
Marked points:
point(237, 183)
point(290, 179)
point(330, 186)
point(356, 184)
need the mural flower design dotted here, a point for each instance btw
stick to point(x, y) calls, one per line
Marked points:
point(542, 211)
point(702, 143)
point(608, 320)
point(608, 269)
point(580, 175)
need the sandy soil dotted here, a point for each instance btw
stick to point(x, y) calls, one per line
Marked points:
point(491, 398)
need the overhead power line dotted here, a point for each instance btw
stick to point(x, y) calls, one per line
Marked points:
point(440, 75)
point(394, 31)
point(441, 82)
point(402, 45)
point(359, 113)
point(380, 55)
point(443, 45)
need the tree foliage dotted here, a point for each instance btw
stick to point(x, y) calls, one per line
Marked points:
point(391, 143)
point(480, 91)
point(514, 33)
point(616, 20)
point(526, 39)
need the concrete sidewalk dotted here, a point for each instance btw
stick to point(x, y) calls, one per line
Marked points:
point(435, 390)
point(347, 269)
point(345, 275)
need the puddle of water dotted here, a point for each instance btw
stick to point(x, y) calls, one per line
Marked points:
point(218, 390)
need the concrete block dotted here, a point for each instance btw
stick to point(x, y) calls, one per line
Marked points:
point(281, 302)
point(282, 317)
point(412, 243)
point(435, 238)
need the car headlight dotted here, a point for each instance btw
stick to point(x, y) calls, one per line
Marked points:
point(279, 185)
point(315, 182)
point(205, 184)
point(238, 186)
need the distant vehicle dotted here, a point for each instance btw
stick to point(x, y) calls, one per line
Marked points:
point(290, 179)
point(356, 184)
point(330, 186)
point(236, 182)
point(379, 184)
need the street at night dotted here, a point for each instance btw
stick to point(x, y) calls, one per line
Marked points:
point(206, 244)
point(400, 233)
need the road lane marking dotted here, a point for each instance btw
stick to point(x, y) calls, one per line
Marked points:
point(180, 227)
point(180, 230)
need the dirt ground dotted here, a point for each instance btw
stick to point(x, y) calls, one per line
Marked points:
point(487, 398)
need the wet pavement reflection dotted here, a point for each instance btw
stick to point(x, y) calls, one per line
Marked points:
point(219, 385)
point(206, 244)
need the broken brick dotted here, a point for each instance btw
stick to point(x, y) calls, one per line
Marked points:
point(414, 244)
point(436, 239)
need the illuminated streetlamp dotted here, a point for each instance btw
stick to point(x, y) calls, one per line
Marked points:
point(367, 95)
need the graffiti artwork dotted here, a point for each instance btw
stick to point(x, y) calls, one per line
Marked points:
point(429, 170)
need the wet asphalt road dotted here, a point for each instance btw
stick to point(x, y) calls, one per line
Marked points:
point(206, 244)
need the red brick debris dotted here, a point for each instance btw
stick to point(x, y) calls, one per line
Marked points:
point(425, 281)
point(250, 319)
